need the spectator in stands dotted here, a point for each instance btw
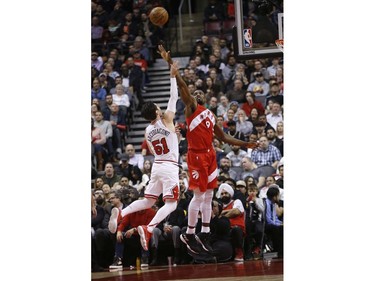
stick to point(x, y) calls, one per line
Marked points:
point(254, 116)
point(275, 116)
point(247, 167)
point(259, 87)
point(253, 139)
point(127, 237)
point(238, 74)
point(274, 226)
point(118, 81)
point(232, 130)
point(234, 210)
point(213, 105)
point(217, 78)
point(169, 229)
point(212, 90)
point(135, 75)
point(136, 159)
point(96, 32)
point(243, 125)
point(108, 67)
point(259, 129)
point(94, 108)
point(220, 239)
point(129, 26)
point(280, 130)
point(97, 92)
point(201, 66)
point(114, 28)
point(124, 168)
point(236, 155)
point(102, 16)
point(143, 50)
point(254, 226)
point(98, 183)
point(265, 160)
point(96, 61)
point(117, 12)
point(274, 94)
point(237, 93)
point(117, 119)
point(106, 190)
point(121, 98)
point(223, 107)
point(251, 103)
point(110, 177)
point(263, 118)
point(225, 166)
point(280, 179)
point(214, 63)
point(106, 127)
point(224, 50)
point(258, 67)
point(104, 239)
point(114, 54)
point(98, 139)
point(230, 68)
point(106, 82)
point(279, 143)
point(273, 67)
point(214, 11)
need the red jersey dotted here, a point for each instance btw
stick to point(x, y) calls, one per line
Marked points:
point(200, 129)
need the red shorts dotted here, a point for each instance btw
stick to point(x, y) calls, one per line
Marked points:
point(202, 169)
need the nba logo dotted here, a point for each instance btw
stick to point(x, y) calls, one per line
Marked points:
point(247, 38)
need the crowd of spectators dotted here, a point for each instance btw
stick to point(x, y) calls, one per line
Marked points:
point(247, 98)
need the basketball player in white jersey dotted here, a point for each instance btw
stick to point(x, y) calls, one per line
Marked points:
point(162, 140)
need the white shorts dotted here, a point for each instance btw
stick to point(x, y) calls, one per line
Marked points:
point(164, 179)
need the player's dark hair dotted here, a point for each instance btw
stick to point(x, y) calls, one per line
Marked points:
point(149, 111)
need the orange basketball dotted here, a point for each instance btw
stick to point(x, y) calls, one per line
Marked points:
point(159, 16)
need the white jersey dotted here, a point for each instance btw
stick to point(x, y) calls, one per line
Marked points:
point(162, 142)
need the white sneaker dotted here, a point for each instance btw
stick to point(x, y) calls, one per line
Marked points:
point(112, 225)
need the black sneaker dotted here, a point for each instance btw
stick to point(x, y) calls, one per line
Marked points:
point(191, 242)
point(204, 239)
point(117, 263)
point(144, 262)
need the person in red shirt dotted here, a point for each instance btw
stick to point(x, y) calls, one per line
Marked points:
point(201, 160)
point(252, 103)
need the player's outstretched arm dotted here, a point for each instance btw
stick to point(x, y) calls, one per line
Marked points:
point(171, 108)
point(219, 133)
point(188, 100)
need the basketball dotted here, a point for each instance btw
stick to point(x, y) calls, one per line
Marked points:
point(159, 16)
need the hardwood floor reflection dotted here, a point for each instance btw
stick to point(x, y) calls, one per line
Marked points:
point(265, 270)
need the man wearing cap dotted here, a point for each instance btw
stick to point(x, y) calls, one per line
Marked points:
point(259, 87)
point(96, 61)
point(232, 131)
point(234, 210)
point(124, 169)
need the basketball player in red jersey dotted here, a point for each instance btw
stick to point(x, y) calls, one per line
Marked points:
point(201, 160)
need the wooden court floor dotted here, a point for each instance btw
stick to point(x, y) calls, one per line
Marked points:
point(265, 270)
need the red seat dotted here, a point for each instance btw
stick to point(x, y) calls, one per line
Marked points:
point(212, 28)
